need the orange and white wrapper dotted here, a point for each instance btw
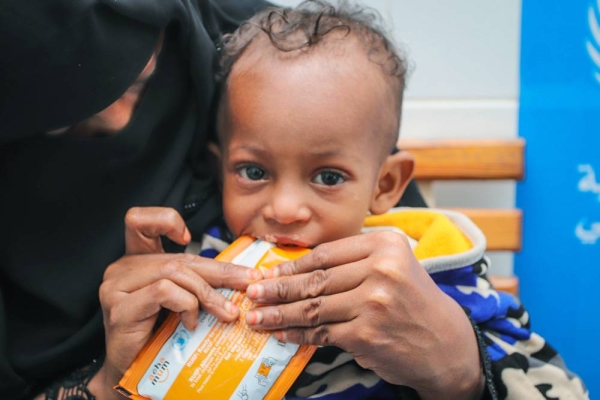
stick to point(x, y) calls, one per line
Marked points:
point(219, 360)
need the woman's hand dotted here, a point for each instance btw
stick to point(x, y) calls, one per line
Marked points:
point(146, 280)
point(368, 295)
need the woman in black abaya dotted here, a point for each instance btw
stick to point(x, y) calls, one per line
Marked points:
point(67, 180)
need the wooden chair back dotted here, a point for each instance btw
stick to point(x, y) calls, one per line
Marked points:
point(476, 159)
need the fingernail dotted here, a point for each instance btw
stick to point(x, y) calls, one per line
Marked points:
point(255, 291)
point(230, 308)
point(187, 236)
point(255, 274)
point(254, 317)
point(279, 335)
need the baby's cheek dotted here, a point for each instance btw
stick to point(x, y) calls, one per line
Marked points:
point(235, 217)
point(333, 231)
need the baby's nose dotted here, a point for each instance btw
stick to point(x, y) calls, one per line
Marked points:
point(288, 207)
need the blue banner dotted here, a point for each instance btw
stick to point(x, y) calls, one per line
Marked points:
point(559, 118)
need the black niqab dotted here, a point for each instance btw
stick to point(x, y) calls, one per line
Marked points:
point(63, 198)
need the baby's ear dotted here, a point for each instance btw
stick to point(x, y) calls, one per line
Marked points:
point(394, 175)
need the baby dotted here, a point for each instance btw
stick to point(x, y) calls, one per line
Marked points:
point(307, 125)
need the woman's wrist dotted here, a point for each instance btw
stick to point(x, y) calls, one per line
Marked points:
point(102, 383)
point(76, 385)
point(460, 372)
point(474, 381)
point(461, 383)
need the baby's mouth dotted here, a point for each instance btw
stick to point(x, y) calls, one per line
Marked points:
point(283, 241)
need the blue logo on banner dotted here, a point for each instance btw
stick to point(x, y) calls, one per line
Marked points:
point(588, 233)
point(559, 117)
point(593, 43)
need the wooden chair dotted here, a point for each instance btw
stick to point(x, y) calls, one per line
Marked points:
point(475, 159)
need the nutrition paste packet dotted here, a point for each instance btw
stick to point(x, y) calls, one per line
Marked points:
point(219, 360)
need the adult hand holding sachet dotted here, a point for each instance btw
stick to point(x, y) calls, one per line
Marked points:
point(146, 280)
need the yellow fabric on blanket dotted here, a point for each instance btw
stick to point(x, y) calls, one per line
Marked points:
point(435, 233)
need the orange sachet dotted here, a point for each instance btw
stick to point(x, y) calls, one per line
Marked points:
point(219, 360)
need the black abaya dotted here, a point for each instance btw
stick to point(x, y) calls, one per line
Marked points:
point(63, 198)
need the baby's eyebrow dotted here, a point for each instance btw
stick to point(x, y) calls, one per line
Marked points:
point(251, 148)
point(332, 154)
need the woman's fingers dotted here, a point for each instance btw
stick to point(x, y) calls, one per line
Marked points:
point(335, 267)
point(145, 304)
point(145, 225)
point(135, 272)
point(149, 279)
point(339, 252)
point(307, 313)
point(322, 335)
point(320, 282)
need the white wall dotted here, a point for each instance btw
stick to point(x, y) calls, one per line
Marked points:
point(464, 82)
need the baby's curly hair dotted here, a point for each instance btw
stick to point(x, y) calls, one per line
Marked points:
point(307, 25)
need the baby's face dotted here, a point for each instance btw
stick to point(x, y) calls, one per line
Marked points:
point(301, 150)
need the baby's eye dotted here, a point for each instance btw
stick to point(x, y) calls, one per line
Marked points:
point(252, 172)
point(329, 178)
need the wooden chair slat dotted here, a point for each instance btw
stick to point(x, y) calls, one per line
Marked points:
point(501, 227)
point(508, 284)
point(466, 159)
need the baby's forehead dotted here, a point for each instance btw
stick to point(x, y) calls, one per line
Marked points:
point(321, 76)
point(358, 53)
point(346, 48)
point(337, 83)
point(344, 58)
point(313, 117)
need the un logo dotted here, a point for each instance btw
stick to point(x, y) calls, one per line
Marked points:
point(180, 339)
point(588, 234)
point(593, 42)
